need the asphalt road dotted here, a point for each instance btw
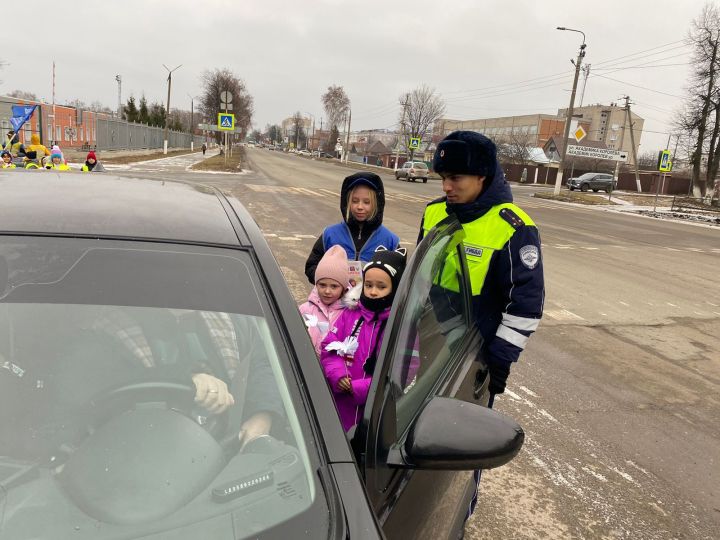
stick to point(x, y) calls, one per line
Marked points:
point(618, 389)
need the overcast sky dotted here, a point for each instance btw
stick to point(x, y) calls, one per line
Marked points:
point(486, 58)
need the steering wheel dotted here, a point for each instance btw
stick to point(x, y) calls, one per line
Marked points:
point(176, 396)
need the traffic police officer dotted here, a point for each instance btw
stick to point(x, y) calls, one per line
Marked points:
point(502, 249)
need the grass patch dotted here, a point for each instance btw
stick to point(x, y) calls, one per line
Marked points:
point(646, 200)
point(217, 162)
point(579, 198)
point(121, 160)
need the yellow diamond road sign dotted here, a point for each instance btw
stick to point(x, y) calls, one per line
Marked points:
point(580, 134)
point(226, 121)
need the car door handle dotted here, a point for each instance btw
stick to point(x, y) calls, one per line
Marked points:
point(482, 381)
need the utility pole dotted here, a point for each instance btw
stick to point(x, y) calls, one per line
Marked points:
point(118, 78)
point(616, 175)
point(347, 136)
point(586, 74)
point(167, 111)
point(632, 142)
point(568, 119)
point(402, 127)
point(192, 124)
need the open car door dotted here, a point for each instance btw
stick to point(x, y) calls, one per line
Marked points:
point(429, 378)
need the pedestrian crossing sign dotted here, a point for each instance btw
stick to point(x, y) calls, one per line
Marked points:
point(226, 122)
point(664, 163)
point(414, 143)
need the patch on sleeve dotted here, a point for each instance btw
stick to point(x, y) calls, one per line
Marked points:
point(530, 256)
point(512, 218)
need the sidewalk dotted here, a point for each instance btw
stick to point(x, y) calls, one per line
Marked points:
point(621, 206)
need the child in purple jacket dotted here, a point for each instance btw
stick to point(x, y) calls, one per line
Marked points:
point(349, 351)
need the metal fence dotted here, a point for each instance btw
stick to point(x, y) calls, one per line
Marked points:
point(116, 134)
point(694, 204)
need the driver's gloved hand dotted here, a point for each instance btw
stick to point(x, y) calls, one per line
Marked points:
point(499, 372)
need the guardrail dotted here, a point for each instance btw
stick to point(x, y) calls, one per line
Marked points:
point(696, 204)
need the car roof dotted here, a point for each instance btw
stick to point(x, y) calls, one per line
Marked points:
point(103, 205)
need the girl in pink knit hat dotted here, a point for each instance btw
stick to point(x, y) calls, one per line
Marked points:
point(325, 302)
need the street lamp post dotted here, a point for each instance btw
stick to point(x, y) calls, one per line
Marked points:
point(568, 119)
point(192, 123)
point(167, 111)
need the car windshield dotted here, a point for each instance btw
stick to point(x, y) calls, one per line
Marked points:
point(420, 165)
point(587, 176)
point(114, 357)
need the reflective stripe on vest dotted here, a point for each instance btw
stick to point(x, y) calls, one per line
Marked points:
point(483, 237)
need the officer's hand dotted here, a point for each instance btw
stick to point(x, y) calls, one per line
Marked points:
point(211, 393)
point(499, 372)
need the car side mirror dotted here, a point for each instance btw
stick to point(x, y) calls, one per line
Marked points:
point(450, 434)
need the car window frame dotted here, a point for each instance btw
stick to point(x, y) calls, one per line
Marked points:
point(372, 440)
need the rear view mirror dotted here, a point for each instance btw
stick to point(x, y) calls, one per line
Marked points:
point(450, 434)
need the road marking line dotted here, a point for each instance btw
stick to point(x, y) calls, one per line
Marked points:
point(333, 193)
point(528, 391)
point(708, 302)
point(306, 236)
point(272, 235)
point(291, 238)
point(672, 249)
point(563, 315)
point(591, 248)
point(697, 250)
point(596, 475)
point(671, 305)
point(408, 243)
point(306, 191)
point(624, 303)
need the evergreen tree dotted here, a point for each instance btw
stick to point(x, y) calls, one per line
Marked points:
point(143, 113)
point(130, 111)
point(157, 115)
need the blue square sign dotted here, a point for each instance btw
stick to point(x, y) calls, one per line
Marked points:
point(226, 122)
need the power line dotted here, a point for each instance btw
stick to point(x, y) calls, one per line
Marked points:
point(615, 60)
point(635, 85)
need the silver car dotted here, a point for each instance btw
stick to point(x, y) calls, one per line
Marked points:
point(594, 181)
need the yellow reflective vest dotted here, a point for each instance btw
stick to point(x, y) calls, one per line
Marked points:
point(483, 237)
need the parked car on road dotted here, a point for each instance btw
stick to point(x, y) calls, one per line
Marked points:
point(594, 181)
point(304, 152)
point(413, 170)
point(110, 309)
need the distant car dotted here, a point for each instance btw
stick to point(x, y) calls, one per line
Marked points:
point(413, 170)
point(304, 152)
point(594, 181)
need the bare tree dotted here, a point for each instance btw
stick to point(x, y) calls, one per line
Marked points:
point(219, 80)
point(647, 161)
point(298, 132)
point(423, 108)
point(336, 104)
point(22, 94)
point(516, 148)
point(699, 121)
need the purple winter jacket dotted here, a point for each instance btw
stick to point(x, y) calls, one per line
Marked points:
point(319, 318)
point(350, 406)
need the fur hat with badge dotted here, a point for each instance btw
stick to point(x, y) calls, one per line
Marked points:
point(466, 152)
point(393, 264)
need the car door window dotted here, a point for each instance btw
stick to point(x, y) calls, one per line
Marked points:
point(431, 326)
